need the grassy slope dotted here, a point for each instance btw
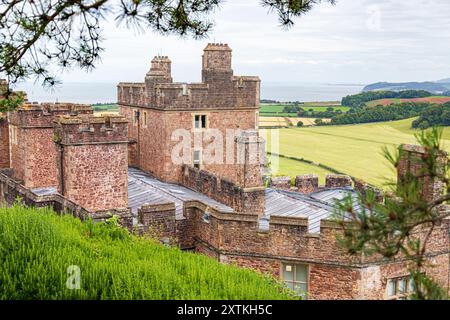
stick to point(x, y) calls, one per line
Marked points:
point(353, 149)
point(292, 168)
point(37, 246)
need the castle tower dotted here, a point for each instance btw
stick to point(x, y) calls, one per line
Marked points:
point(222, 103)
point(411, 167)
point(92, 161)
point(160, 71)
point(33, 156)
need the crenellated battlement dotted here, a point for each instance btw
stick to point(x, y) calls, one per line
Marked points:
point(42, 115)
point(70, 130)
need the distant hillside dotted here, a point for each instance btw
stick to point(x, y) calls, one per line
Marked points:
point(437, 87)
point(444, 81)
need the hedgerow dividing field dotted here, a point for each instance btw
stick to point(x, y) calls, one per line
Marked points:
point(352, 149)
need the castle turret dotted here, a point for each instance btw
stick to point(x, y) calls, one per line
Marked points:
point(92, 161)
point(160, 71)
point(216, 64)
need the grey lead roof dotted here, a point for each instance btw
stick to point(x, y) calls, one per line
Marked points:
point(144, 189)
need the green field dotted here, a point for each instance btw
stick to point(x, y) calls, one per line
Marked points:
point(353, 149)
point(292, 168)
point(277, 109)
point(41, 252)
point(105, 107)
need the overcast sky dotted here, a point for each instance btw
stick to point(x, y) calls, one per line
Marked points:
point(355, 41)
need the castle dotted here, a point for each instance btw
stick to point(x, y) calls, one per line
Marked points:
point(186, 159)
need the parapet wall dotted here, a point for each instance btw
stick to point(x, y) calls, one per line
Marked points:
point(11, 190)
point(309, 183)
point(242, 200)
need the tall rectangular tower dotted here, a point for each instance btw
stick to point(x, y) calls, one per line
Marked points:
point(190, 123)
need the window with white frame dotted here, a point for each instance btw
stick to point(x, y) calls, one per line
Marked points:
point(200, 121)
point(295, 276)
point(400, 288)
point(197, 158)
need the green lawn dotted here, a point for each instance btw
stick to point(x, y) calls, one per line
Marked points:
point(41, 252)
point(353, 149)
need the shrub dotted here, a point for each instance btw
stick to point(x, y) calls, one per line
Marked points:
point(299, 124)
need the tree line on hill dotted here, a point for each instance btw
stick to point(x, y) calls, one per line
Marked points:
point(359, 100)
point(428, 114)
point(433, 116)
point(379, 113)
point(310, 113)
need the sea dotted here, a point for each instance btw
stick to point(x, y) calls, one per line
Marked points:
point(102, 92)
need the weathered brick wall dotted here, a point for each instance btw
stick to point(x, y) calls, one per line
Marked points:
point(412, 167)
point(337, 181)
point(33, 155)
point(11, 190)
point(250, 201)
point(93, 163)
point(332, 274)
point(283, 183)
point(157, 139)
point(159, 221)
point(4, 142)
point(307, 183)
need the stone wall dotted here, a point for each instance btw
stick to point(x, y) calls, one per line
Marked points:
point(159, 221)
point(4, 142)
point(337, 181)
point(158, 136)
point(307, 183)
point(412, 167)
point(11, 190)
point(92, 162)
point(248, 201)
point(283, 183)
point(33, 155)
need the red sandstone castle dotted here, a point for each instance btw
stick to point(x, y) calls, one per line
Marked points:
point(213, 200)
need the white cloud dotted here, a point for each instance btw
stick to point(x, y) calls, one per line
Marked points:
point(360, 41)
